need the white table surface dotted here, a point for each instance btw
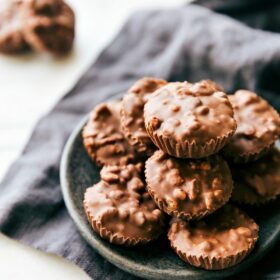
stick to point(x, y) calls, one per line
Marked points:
point(30, 85)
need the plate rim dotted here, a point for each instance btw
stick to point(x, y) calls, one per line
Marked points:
point(131, 266)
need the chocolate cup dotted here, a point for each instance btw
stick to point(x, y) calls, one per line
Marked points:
point(179, 214)
point(208, 262)
point(114, 238)
point(50, 33)
point(243, 195)
point(186, 149)
point(249, 157)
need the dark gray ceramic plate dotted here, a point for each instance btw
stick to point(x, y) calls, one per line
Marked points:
point(156, 260)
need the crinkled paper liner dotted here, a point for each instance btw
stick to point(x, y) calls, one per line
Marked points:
point(186, 149)
point(213, 263)
point(114, 238)
point(244, 195)
point(245, 158)
point(182, 215)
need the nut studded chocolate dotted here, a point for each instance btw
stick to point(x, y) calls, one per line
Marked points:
point(119, 208)
point(12, 39)
point(188, 189)
point(43, 25)
point(49, 26)
point(217, 242)
point(259, 181)
point(258, 127)
point(132, 118)
point(103, 139)
point(189, 120)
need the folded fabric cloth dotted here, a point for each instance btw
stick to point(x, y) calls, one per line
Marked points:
point(188, 43)
point(256, 13)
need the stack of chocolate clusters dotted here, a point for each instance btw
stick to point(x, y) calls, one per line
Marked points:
point(42, 25)
point(163, 152)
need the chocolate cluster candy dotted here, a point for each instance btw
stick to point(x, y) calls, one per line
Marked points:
point(103, 138)
point(188, 189)
point(258, 127)
point(180, 135)
point(220, 241)
point(12, 40)
point(189, 120)
point(132, 120)
point(259, 181)
point(43, 25)
point(120, 209)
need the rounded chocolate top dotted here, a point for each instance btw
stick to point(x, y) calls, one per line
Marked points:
point(258, 125)
point(103, 139)
point(227, 232)
point(11, 27)
point(132, 112)
point(259, 181)
point(186, 112)
point(188, 188)
point(122, 205)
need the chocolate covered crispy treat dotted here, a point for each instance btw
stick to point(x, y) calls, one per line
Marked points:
point(132, 118)
point(258, 127)
point(120, 209)
point(49, 26)
point(219, 241)
point(257, 182)
point(12, 40)
point(103, 139)
point(189, 120)
point(188, 189)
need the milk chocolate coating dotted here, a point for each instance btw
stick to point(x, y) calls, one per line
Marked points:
point(257, 182)
point(188, 189)
point(217, 242)
point(49, 26)
point(120, 209)
point(12, 40)
point(189, 120)
point(132, 118)
point(258, 127)
point(46, 7)
point(103, 139)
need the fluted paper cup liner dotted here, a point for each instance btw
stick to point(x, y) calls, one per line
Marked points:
point(213, 263)
point(185, 149)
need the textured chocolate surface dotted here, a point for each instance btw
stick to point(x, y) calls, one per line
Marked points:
point(12, 40)
point(46, 7)
point(132, 113)
point(259, 181)
point(258, 127)
point(188, 188)
point(103, 139)
point(219, 241)
point(49, 26)
point(189, 120)
point(120, 209)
